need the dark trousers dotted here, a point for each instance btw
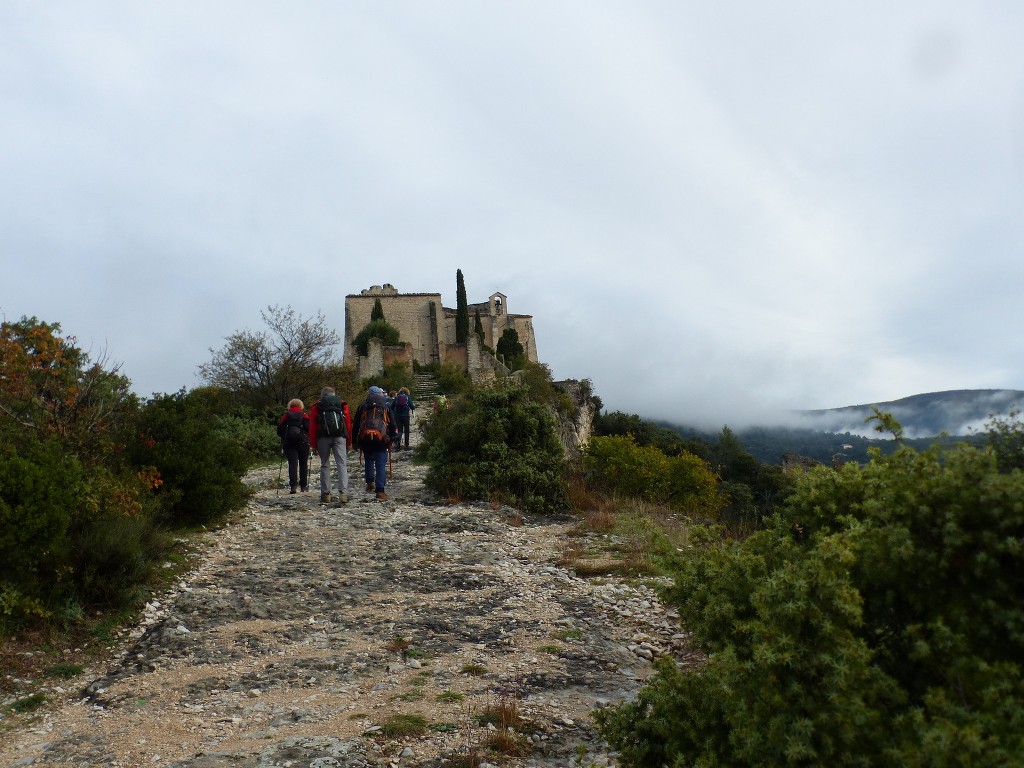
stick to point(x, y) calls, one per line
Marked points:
point(376, 463)
point(298, 465)
point(402, 421)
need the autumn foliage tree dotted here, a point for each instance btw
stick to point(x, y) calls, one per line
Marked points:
point(65, 422)
point(91, 478)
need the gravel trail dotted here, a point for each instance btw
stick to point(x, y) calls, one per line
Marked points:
point(306, 630)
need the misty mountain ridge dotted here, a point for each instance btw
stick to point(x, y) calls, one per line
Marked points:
point(844, 434)
point(959, 412)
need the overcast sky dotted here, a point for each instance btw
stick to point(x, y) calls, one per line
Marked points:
point(714, 211)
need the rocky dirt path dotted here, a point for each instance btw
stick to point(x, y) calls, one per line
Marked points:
point(370, 634)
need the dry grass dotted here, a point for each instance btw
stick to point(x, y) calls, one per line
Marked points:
point(398, 644)
point(622, 536)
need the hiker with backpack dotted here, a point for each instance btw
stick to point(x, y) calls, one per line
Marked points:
point(330, 425)
point(293, 429)
point(373, 427)
point(403, 408)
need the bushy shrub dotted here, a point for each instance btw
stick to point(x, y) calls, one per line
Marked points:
point(377, 329)
point(112, 558)
point(452, 380)
point(878, 621)
point(255, 435)
point(619, 465)
point(200, 469)
point(497, 443)
point(396, 375)
point(39, 489)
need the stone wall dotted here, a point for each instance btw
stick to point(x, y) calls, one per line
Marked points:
point(481, 365)
point(410, 313)
point(455, 354)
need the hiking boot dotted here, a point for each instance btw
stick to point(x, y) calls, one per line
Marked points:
point(325, 498)
point(381, 496)
point(293, 490)
point(343, 498)
point(304, 488)
point(369, 487)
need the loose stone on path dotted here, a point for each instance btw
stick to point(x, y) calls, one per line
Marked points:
point(307, 629)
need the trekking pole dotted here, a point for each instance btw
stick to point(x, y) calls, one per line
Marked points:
point(280, 469)
point(391, 467)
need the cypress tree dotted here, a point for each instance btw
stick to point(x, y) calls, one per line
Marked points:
point(378, 311)
point(478, 327)
point(461, 310)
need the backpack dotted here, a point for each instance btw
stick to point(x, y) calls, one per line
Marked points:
point(331, 417)
point(402, 403)
point(293, 429)
point(375, 422)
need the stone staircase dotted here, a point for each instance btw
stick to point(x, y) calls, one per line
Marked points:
point(424, 387)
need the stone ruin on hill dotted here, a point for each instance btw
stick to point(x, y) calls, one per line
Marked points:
point(427, 331)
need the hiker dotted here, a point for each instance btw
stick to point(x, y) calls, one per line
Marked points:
point(440, 402)
point(293, 429)
point(330, 427)
point(372, 426)
point(403, 408)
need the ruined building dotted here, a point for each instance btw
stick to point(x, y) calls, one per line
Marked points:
point(428, 331)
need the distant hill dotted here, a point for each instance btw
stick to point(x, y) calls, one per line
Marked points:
point(957, 412)
point(843, 434)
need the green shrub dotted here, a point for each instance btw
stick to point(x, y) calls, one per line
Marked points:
point(377, 329)
point(497, 443)
point(452, 380)
point(255, 435)
point(878, 621)
point(40, 489)
point(619, 465)
point(201, 471)
point(396, 375)
point(112, 558)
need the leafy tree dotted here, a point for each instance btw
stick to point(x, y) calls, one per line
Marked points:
point(461, 310)
point(879, 620)
point(668, 441)
point(377, 329)
point(886, 423)
point(753, 489)
point(78, 517)
point(51, 388)
point(1005, 436)
point(378, 311)
point(291, 358)
point(497, 443)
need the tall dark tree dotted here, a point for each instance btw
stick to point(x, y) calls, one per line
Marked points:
point(478, 326)
point(461, 310)
point(511, 348)
point(378, 311)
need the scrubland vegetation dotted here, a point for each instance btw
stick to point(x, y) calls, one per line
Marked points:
point(860, 614)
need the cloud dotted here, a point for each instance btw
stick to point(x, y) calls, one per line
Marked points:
point(716, 213)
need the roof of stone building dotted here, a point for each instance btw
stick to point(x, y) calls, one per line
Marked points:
point(386, 296)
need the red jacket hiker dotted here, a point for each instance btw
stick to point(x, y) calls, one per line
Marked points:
point(314, 420)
